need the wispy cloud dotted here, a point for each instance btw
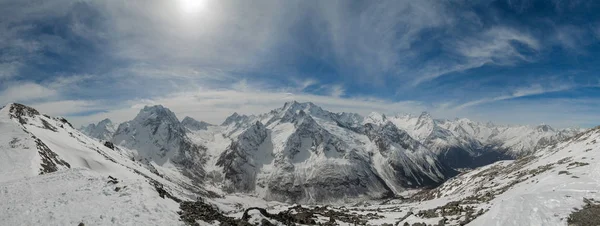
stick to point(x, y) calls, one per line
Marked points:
point(337, 91)
point(498, 45)
point(521, 92)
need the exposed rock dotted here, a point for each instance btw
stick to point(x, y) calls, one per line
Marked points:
point(588, 215)
point(109, 144)
point(51, 162)
point(22, 112)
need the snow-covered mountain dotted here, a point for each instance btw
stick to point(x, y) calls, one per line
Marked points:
point(157, 137)
point(248, 152)
point(52, 174)
point(300, 153)
point(104, 130)
point(463, 143)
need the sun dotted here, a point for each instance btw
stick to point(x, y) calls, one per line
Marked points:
point(192, 6)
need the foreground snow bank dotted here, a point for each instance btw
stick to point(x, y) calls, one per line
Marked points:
point(80, 195)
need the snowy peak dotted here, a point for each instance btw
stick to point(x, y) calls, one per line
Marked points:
point(425, 121)
point(21, 112)
point(105, 122)
point(155, 133)
point(157, 113)
point(104, 130)
point(544, 128)
point(375, 118)
point(294, 107)
point(235, 119)
point(194, 125)
point(25, 154)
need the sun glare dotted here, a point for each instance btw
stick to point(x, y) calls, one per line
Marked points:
point(192, 6)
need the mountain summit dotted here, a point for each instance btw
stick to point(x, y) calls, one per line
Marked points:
point(104, 130)
point(193, 124)
point(158, 138)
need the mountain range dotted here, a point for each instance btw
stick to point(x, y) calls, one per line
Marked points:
point(298, 153)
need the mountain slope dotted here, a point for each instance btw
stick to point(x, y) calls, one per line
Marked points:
point(45, 158)
point(540, 189)
point(462, 143)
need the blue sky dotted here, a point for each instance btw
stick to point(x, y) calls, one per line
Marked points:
point(507, 61)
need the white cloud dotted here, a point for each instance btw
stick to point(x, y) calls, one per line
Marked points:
point(68, 82)
point(66, 107)
point(497, 44)
point(215, 105)
point(302, 85)
point(25, 92)
point(337, 91)
point(493, 46)
point(521, 92)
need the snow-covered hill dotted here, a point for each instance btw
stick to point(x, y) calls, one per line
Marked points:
point(540, 189)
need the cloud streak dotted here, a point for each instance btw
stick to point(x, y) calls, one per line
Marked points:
point(521, 92)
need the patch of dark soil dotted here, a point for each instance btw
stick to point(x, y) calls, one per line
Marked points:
point(198, 210)
point(564, 172)
point(109, 144)
point(588, 215)
point(117, 189)
point(308, 216)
